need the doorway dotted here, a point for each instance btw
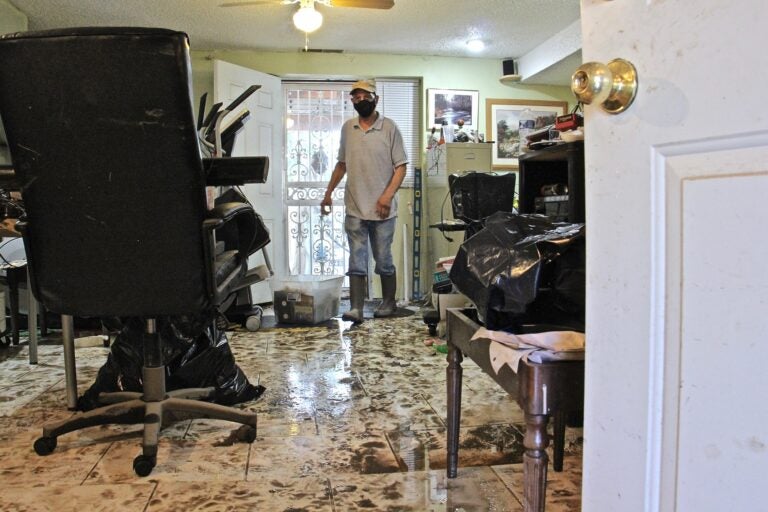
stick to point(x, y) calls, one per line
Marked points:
point(314, 114)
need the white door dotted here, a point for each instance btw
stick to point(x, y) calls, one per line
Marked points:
point(677, 293)
point(262, 136)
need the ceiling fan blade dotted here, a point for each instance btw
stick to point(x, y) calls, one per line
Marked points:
point(367, 4)
point(242, 4)
point(257, 2)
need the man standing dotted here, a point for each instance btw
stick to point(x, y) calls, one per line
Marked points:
point(372, 155)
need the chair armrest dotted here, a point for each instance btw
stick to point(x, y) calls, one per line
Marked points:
point(234, 224)
point(225, 212)
point(237, 170)
point(238, 224)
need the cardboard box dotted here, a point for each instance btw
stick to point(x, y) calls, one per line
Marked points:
point(306, 299)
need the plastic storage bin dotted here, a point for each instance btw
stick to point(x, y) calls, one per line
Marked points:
point(306, 299)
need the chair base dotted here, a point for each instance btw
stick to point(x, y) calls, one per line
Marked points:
point(129, 408)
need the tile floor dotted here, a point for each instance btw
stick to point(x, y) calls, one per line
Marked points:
point(353, 419)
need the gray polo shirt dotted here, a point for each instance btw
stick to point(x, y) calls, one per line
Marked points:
point(371, 157)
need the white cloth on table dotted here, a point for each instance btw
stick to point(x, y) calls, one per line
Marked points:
point(507, 348)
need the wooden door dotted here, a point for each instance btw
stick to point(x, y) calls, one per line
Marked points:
point(262, 136)
point(677, 292)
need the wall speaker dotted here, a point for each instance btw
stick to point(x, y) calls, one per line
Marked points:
point(509, 72)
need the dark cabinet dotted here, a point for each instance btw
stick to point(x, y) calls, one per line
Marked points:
point(552, 182)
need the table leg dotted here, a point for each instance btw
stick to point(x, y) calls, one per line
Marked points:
point(558, 442)
point(70, 370)
point(31, 322)
point(453, 374)
point(535, 462)
point(13, 302)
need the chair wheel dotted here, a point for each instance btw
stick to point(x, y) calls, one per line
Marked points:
point(45, 445)
point(143, 464)
point(253, 323)
point(246, 434)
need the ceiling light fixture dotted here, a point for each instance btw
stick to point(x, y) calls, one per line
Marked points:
point(307, 19)
point(475, 45)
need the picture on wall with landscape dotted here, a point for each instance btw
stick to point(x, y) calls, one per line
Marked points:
point(449, 106)
point(502, 121)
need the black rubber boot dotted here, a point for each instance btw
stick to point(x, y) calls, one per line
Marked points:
point(388, 305)
point(356, 299)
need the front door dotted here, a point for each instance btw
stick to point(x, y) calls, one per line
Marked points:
point(677, 292)
point(262, 136)
point(315, 113)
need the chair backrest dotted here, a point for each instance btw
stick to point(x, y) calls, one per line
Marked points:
point(477, 195)
point(102, 137)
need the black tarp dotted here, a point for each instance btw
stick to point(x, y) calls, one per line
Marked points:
point(195, 352)
point(524, 269)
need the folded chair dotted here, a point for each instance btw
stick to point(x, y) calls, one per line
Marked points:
point(100, 127)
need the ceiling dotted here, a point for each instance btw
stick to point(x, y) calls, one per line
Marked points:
point(519, 29)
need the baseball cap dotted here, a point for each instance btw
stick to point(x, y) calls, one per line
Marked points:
point(365, 85)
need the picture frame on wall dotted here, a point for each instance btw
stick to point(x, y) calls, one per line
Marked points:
point(502, 117)
point(450, 105)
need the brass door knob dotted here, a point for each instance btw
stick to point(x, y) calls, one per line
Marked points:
point(612, 85)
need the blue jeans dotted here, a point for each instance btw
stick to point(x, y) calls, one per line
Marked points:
point(381, 233)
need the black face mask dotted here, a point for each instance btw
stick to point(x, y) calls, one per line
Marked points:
point(365, 107)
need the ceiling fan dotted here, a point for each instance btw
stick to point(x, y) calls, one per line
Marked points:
point(366, 4)
point(307, 19)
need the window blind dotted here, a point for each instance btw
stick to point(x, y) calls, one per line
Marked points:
point(400, 100)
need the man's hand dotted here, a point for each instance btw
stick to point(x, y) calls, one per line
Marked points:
point(325, 205)
point(383, 205)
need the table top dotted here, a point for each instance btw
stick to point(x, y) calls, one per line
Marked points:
point(539, 388)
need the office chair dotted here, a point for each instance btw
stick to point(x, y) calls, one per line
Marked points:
point(103, 141)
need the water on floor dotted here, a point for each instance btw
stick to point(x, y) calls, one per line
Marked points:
point(353, 418)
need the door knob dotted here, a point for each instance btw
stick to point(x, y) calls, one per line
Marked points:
point(612, 85)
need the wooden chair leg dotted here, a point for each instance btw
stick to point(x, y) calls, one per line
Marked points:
point(32, 310)
point(13, 303)
point(42, 322)
point(453, 374)
point(70, 370)
point(558, 446)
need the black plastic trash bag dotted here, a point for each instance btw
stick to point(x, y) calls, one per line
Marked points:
point(524, 269)
point(196, 355)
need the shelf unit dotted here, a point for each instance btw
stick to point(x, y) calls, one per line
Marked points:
point(558, 165)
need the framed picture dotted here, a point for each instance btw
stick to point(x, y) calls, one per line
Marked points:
point(450, 105)
point(502, 117)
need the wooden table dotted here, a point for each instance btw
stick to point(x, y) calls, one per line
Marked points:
point(15, 274)
point(541, 389)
